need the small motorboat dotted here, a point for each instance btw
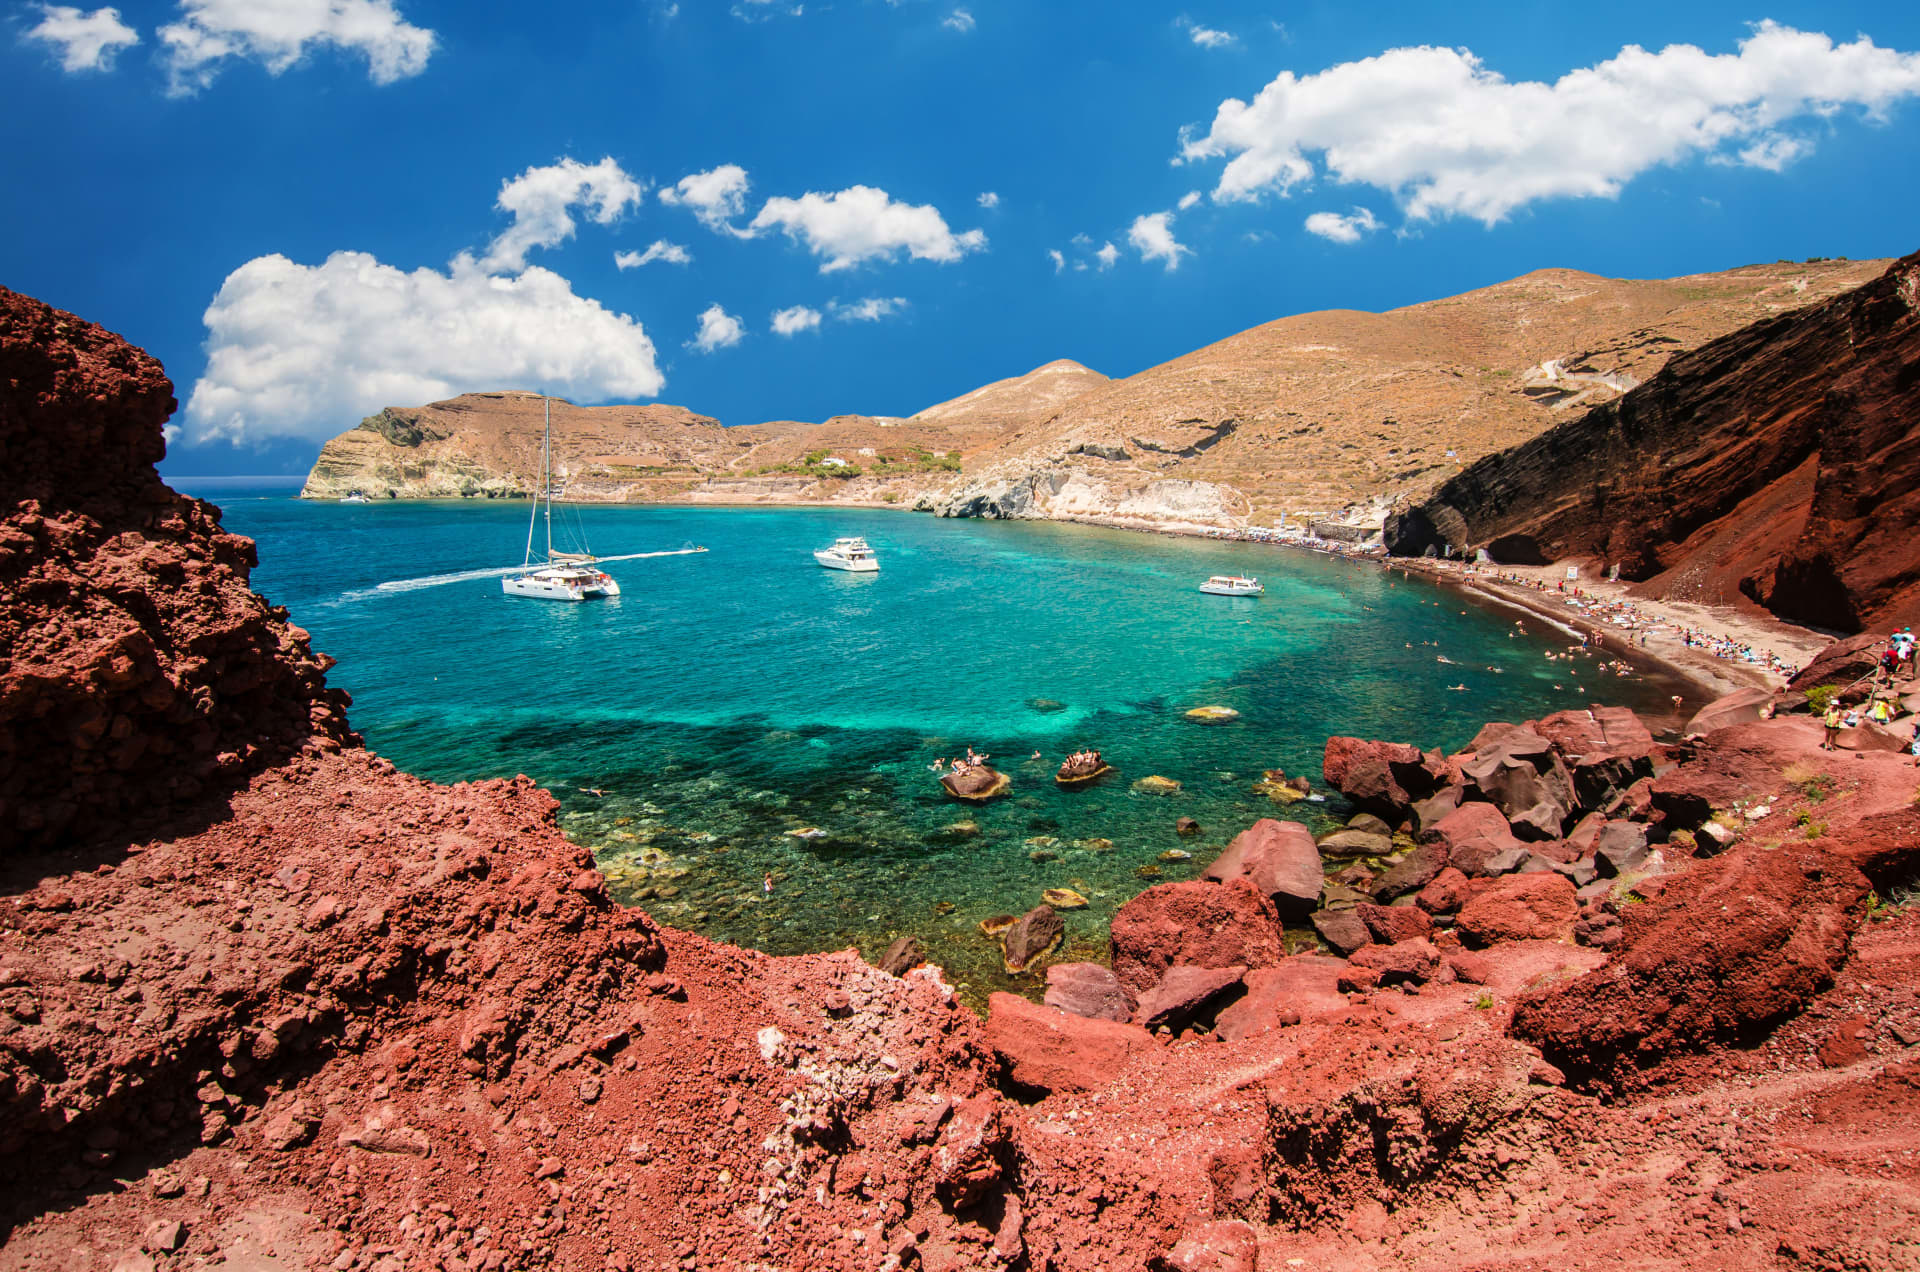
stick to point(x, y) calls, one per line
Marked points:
point(1232, 585)
point(849, 554)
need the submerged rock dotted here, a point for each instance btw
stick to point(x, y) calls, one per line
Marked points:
point(1154, 784)
point(1032, 937)
point(902, 956)
point(1212, 715)
point(1064, 899)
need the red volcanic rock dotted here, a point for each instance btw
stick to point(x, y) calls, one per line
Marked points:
point(1344, 930)
point(1088, 989)
point(1412, 872)
point(1382, 778)
point(1447, 893)
point(1205, 924)
point(1050, 1050)
point(1301, 987)
point(1473, 835)
point(1426, 812)
point(1847, 1044)
point(1729, 947)
point(1841, 663)
point(1413, 961)
point(1779, 464)
point(1278, 857)
point(1184, 994)
point(1036, 934)
point(1389, 924)
point(1538, 906)
point(1742, 706)
point(141, 672)
point(1226, 1245)
point(967, 1161)
point(1868, 736)
point(1525, 778)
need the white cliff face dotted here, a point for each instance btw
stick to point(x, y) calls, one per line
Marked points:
point(1059, 491)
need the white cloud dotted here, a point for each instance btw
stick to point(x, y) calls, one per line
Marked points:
point(1152, 237)
point(872, 309)
point(538, 200)
point(306, 350)
point(1188, 199)
point(861, 224)
point(1343, 229)
point(278, 34)
point(715, 196)
point(1108, 255)
point(788, 322)
point(959, 20)
point(658, 250)
point(1448, 137)
point(1059, 261)
point(762, 10)
point(1206, 37)
point(718, 330)
point(988, 199)
point(86, 41)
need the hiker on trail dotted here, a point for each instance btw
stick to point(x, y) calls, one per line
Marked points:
point(1832, 721)
point(1913, 747)
point(1880, 712)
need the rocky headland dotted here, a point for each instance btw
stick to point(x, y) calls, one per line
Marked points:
point(1324, 417)
point(1776, 466)
point(1576, 996)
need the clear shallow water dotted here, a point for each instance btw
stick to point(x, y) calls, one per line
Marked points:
point(729, 698)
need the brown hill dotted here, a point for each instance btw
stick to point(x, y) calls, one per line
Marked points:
point(1315, 412)
point(1779, 464)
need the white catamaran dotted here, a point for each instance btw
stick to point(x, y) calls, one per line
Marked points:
point(566, 576)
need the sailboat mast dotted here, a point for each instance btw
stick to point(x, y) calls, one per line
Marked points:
point(533, 511)
point(546, 489)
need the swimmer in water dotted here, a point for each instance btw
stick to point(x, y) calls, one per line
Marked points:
point(591, 790)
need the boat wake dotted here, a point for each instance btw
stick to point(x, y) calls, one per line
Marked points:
point(468, 576)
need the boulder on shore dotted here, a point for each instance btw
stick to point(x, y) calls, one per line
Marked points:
point(1050, 1050)
point(1383, 778)
point(1344, 930)
point(1278, 857)
point(1539, 906)
point(1088, 989)
point(1473, 834)
point(1197, 922)
point(1186, 993)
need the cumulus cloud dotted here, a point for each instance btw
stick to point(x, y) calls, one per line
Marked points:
point(1447, 136)
point(85, 41)
point(790, 322)
point(988, 199)
point(959, 20)
point(1350, 228)
point(280, 33)
point(1188, 199)
point(715, 196)
point(1206, 37)
point(658, 250)
point(1152, 237)
point(872, 309)
point(1108, 255)
point(1059, 261)
point(718, 330)
point(861, 223)
point(305, 350)
point(538, 200)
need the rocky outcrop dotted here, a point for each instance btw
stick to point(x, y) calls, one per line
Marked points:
point(1778, 464)
point(140, 671)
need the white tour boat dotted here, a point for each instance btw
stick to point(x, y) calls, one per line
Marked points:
point(353, 496)
point(849, 554)
point(566, 576)
point(1232, 585)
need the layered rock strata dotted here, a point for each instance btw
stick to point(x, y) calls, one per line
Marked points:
point(1778, 465)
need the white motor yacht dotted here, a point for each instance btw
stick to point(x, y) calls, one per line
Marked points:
point(1232, 585)
point(849, 554)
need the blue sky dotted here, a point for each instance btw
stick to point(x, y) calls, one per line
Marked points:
point(313, 208)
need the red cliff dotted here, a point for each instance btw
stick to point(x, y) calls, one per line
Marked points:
point(1779, 465)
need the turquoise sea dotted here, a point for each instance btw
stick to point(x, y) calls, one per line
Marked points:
point(730, 698)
